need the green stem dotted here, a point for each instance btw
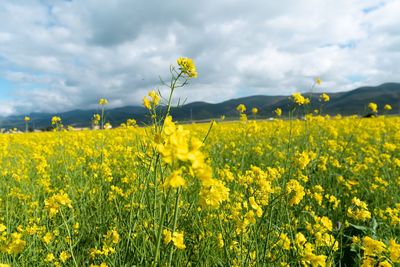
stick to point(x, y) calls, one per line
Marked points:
point(228, 259)
point(141, 199)
point(172, 87)
point(70, 238)
point(160, 228)
point(208, 132)
point(156, 187)
point(102, 118)
point(178, 193)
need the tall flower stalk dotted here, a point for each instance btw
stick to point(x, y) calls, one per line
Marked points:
point(178, 157)
point(179, 78)
point(27, 120)
point(102, 102)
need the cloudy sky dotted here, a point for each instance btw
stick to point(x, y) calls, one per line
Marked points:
point(58, 55)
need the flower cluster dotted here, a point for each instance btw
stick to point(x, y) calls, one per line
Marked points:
point(55, 202)
point(373, 107)
point(153, 101)
point(300, 100)
point(187, 67)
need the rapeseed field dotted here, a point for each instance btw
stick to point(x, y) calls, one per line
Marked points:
point(316, 191)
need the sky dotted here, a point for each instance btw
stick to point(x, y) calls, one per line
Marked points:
point(58, 55)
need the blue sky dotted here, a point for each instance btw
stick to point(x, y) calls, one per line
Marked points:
point(58, 55)
point(6, 87)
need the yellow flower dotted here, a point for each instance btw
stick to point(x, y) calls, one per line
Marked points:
point(254, 111)
point(318, 81)
point(167, 236)
point(368, 262)
point(54, 203)
point(394, 250)
point(64, 256)
point(324, 97)
point(27, 119)
point(299, 99)
point(187, 66)
point(130, 122)
point(255, 206)
point(284, 241)
point(300, 239)
point(55, 120)
point(355, 240)
point(373, 247)
point(16, 244)
point(241, 108)
point(373, 107)
point(112, 236)
point(302, 159)
point(177, 239)
point(387, 107)
point(50, 257)
point(310, 258)
point(103, 101)
point(174, 180)
point(146, 103)
point(384, 264)
point(96, 119)
point(103, 264)
point(155, 98)
point(278, 112)
point(298, 189)
point(48, 237)
point(220, 241)
point(360, 211)
point(213, 193)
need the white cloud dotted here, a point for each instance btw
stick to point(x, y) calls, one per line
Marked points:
point(62, 55)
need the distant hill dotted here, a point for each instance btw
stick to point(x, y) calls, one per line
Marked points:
point(345, 103)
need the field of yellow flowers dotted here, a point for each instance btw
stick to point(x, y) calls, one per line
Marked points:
point(323, 191)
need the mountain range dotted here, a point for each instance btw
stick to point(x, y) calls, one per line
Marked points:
point(352, 102)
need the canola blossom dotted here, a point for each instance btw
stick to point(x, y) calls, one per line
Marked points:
point(278, 112)
point(324, 97)
point(387, 107)
point(103, 102)
point(373, 107)
point(187, 67)
point(241, 108)
point(299, 99)
point(55, 120)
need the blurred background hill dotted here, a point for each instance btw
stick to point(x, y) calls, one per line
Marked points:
point(353, 102)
